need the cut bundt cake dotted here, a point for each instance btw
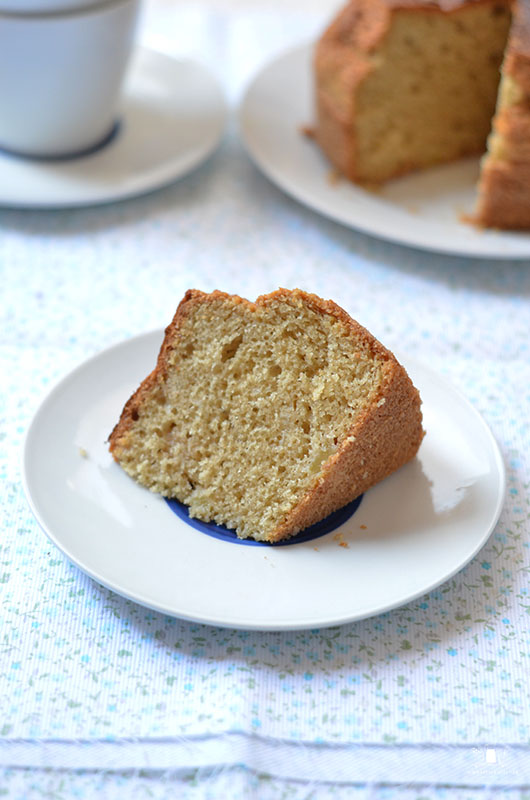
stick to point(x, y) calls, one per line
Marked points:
point(267, 416)
point(407, 84)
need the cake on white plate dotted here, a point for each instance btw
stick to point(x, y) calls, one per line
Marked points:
point(407, 84)
point(267, 416)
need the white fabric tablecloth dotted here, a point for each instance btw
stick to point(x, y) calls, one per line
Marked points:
point(101, 697)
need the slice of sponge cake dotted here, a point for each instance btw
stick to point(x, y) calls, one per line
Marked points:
point(267, 416)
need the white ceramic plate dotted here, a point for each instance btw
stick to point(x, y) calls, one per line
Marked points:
point(422, 210)
point(409, 534)
point(172, 118)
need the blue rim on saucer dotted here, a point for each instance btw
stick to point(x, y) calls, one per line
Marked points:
point(330, 523)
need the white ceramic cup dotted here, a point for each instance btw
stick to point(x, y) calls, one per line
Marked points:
point(61, 75)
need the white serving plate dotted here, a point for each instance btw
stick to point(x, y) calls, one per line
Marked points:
point(422, 210)
point(410, 533)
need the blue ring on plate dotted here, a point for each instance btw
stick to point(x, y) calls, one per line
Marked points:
point(330, 523)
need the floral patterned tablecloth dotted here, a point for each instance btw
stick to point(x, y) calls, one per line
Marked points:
point(102, 697)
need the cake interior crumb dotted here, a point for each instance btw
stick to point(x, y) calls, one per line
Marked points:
point(250, 392)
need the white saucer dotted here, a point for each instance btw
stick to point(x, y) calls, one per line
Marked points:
point(422, 210)
point(172, 118)
point(410, 533)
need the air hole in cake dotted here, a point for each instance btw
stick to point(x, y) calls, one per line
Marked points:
point(229, 350)
point(274, 370)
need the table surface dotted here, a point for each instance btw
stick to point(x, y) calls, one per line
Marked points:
point(100, 695)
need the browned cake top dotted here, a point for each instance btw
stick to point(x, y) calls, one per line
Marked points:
point(361, 23)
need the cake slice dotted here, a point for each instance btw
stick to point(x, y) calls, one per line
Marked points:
point(267, 416)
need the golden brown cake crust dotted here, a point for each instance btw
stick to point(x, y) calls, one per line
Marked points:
point(517, 61)
point(341, 64)
point(375, 441)
point(384, 437)
point(130, 410)
point(504, 196)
